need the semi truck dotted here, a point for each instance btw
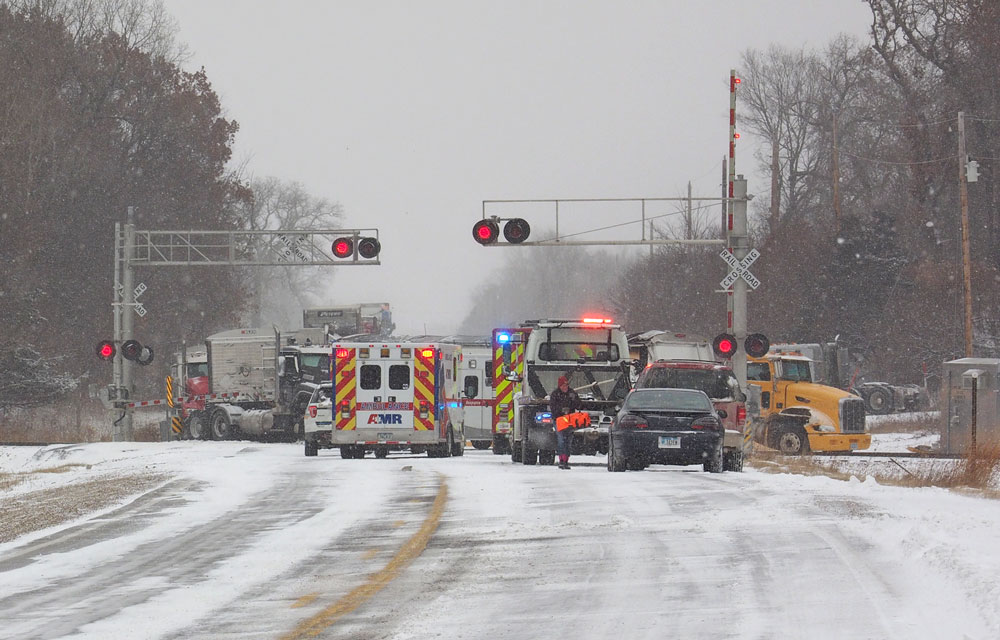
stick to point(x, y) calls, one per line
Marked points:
point(799, 415)
point(592, 353)
point(368, 318)
point(250, 383)
point(838, 366)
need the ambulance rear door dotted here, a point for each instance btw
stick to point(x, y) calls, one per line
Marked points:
point(385, 393)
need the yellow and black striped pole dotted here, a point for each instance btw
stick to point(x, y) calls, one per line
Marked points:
point(176, 425)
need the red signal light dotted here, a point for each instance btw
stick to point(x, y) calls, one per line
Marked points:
point(105, 349)
point(343, 247)
point(724, 346)
point(485, 232)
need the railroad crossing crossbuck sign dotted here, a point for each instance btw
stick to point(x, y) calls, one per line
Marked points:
point(740, 268)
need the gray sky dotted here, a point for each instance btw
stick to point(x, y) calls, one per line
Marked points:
point(410, 114)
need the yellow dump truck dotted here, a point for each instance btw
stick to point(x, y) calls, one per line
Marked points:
point(797, 415)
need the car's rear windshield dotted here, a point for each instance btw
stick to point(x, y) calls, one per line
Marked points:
point(717, 384)
point(667, 400)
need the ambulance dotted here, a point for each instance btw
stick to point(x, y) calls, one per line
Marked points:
point(475, 372)
point(391, 397)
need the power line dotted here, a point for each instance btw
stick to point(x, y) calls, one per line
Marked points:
point(892, 162)
point(908, 126)
point(623, 224)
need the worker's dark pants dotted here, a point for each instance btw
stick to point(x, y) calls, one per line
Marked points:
point(563, 439)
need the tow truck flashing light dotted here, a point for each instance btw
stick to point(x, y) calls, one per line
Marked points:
point(598, 321)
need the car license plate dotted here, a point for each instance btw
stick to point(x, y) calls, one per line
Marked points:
point(670, 442)
point(384, 436)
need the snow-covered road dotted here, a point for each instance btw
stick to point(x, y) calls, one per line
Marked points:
point(243, 540)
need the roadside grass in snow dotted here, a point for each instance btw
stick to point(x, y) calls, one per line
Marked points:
point(72, 422)
point(980, 471)
point(926, 422)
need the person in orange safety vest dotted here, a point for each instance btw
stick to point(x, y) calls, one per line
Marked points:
point(563, 401)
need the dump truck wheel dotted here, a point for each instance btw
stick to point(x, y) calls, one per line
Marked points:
point(792, 441)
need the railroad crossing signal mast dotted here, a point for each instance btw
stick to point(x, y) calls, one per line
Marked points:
point(276, 248)
point(736, 243)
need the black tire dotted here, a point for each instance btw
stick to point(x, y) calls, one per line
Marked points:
point(515, 452)
point(501, 445)
point(732, 461)
point(714, 463)
point(311, 448)
point(458, 447)
point(381, 452)
point(529, 454)
point(879, 401)
point(350, 452)
point(194, 427)
point(546, 457)
point(481, 445)
point(616, 457)
point(792, 441)
point(219, 426)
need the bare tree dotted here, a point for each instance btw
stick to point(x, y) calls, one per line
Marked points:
point(142, 25)
point(282, 292)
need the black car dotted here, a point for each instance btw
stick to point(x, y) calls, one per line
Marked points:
point(666, 426)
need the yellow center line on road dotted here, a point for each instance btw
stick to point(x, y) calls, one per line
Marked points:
point(412, 548)
point(304, 600)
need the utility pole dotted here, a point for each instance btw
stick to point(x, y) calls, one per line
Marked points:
point(963, 190)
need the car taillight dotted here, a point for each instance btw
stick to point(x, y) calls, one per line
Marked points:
point(741, 415)
point(707, 422)
point(345, 409)
point(312, 411)
point(632, 422)
point(424, 410)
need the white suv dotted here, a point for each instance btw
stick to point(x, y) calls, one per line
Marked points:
point(318, 421)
